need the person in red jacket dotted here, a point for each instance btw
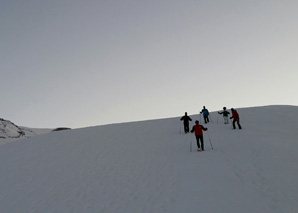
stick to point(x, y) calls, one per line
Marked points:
point(198, 130)
point(236, 118)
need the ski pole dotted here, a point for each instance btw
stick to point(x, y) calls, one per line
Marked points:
point(210, 119)
point(210, 140)
point(190, 142)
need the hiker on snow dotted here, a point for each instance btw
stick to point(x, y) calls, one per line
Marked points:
point(236, 118)
point(225, 115)
point(205, 114)
point(186, 120)
point(198, 130)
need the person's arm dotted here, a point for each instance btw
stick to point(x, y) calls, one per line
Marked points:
point(193, 129)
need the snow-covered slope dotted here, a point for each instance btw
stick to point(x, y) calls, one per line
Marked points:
point(148, 167)
point(10, 131)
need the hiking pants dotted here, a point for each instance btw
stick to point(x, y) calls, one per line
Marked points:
point(206, 119)
point(226, 119)
point(234, 126)
point(200, 138)
point(186, 127)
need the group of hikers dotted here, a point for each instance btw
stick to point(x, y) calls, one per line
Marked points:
point(198, 129)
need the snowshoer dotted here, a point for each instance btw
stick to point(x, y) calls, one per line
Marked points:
point(236, 118)
point(198, 130)
point(205, 113)
point(225, 115)
point(186, 120)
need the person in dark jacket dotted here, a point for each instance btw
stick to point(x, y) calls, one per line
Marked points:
point(198, 130)
point(236, 118)
point(205, 113)
point(186, 120)
point(225, 115)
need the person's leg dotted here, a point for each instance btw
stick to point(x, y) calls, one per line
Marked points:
point(234, 121)
point(187, 128)
point(202, 142)
point(226, 120)
point(238, 122)
point(198, 141)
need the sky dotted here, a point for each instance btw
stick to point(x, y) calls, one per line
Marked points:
point(95, 62)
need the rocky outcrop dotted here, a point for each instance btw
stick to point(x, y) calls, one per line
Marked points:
point(60, 129)
point(10, 130)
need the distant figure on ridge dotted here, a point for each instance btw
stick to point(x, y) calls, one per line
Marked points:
point(186, 120)
point(198, 130)
point(205, 114)
point(236, 118)
point(225, 115)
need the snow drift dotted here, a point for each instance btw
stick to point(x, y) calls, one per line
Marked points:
point(148, 167)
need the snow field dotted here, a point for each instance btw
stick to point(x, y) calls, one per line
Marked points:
point(147, 166)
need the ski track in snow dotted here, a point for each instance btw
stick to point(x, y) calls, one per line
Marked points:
point(148, 167)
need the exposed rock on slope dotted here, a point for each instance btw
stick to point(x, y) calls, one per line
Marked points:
point(10, 130)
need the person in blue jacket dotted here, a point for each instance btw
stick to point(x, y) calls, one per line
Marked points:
point(205, 113)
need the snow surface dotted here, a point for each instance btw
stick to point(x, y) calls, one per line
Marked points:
point(147, 167)
point(11, 133)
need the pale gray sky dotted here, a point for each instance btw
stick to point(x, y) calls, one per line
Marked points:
point(84, 63)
